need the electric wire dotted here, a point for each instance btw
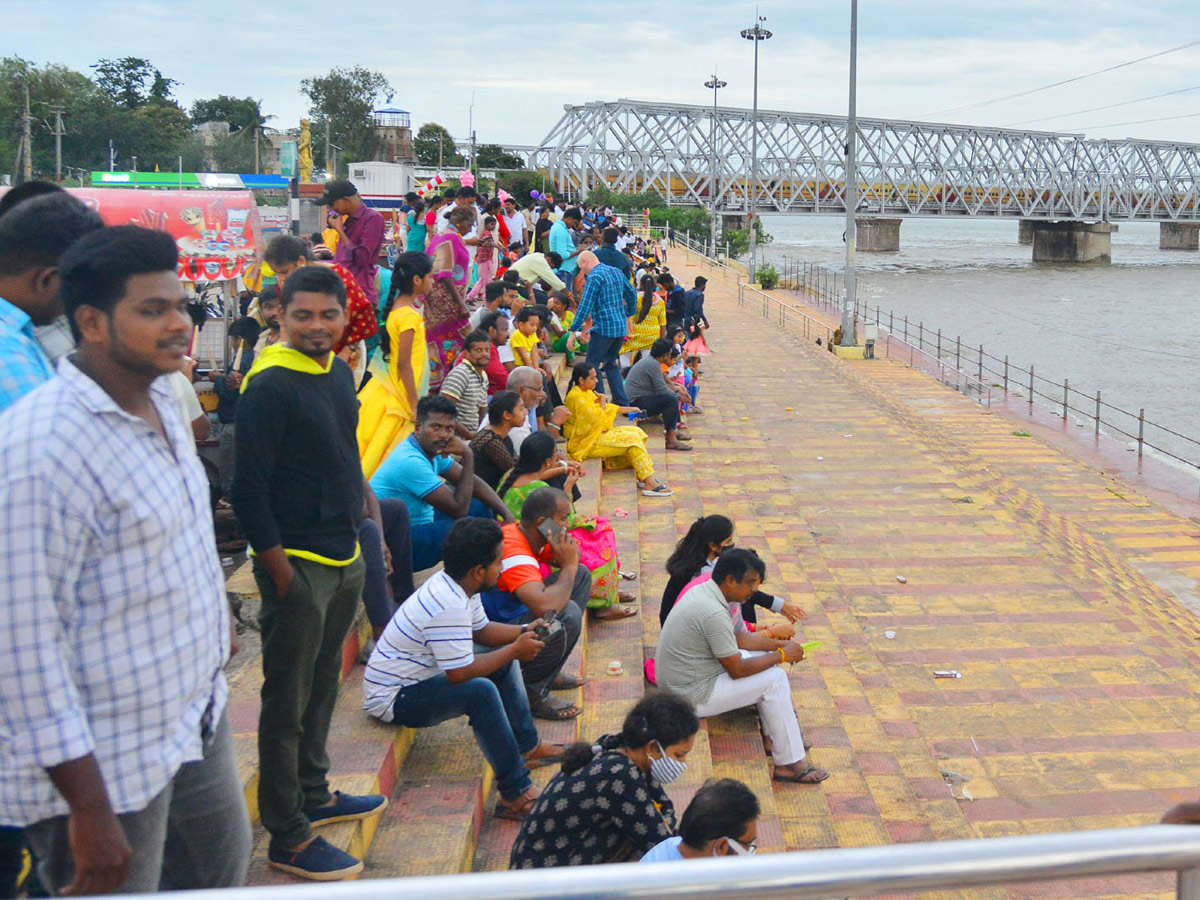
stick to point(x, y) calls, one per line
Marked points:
point(1055, 84)
point(1092, 109)
point(1137, 122)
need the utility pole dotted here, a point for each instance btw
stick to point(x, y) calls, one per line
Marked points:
point(471, 128)
point(332, 171)
point(27, 139)
point(848, 336)
point(756, 34)
point(713, 189)
point(58, 136)
point(256, 167)
point(439, 152)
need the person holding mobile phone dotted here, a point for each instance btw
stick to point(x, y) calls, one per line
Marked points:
point(528, 590)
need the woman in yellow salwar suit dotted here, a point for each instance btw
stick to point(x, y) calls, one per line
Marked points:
point(591, 435)
point(399, 367)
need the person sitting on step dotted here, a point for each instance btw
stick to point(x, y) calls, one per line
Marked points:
point(721, 820)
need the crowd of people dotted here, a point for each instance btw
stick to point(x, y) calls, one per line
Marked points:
point(391, 406)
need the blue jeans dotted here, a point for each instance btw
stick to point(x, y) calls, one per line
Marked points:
point(604, 353)
point(427, 538)
point(497, 708)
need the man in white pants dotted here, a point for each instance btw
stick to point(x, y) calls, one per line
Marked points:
point(705, 652)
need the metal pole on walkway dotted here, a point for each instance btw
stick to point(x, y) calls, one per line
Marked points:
point(716, 84)
point(848, 336)
point(756, 34)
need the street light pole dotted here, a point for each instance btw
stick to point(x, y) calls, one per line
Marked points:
point(716, 84)
point(848, 336)
point(755, 34)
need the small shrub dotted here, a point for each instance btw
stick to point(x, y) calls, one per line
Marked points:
point(767, 276)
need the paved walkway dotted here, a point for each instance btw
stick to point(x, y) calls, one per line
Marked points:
point(922, 533)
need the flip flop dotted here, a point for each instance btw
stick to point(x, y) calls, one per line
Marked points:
point(623, 597)
point(628, 576)
point(614, 613)
point(544, 754)
point(810, 775)
point(680, 448)
point(543, 709)
point(565, 682)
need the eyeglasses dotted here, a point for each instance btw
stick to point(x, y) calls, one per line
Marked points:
point(741, 849)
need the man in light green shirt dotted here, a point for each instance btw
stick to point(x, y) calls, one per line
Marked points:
point(706, 653)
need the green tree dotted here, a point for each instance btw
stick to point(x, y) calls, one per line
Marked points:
point(492, 156)
point(239, 112)
point(433, 143)
point(344, 99)
point(739, 238)
point(519, 184)
point(132, 82)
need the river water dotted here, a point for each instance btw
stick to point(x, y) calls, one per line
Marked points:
point(1130, 330)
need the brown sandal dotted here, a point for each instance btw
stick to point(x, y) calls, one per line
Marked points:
point(544, 754)
point(516, 810)
point(810, 775)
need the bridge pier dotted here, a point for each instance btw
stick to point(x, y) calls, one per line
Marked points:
point(1025, 231)
point(1179, 236)
point(877, 235)
point(1073, 242)
point(731, 221)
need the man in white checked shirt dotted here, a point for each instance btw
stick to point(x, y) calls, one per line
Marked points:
point(115, 754)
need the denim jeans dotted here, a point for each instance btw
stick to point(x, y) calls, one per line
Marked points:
point(427, 538)
point(604, 353)
point(497, 708)
point(398, 538)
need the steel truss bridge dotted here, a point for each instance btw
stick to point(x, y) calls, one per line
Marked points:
point(691, 155)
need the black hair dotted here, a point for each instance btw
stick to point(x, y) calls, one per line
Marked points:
point(580, 372)
point(737, 563)
point(270, 294)
point(449, 193)
point(720, 809)
point(471, 542)
point(284, 249)
point(647, 298)
point(492, 204)
point(317, 238)
point(666, 280)
point(555, 259)
point(535, 450)
point(407, 268)
point(661, 716)
point(418, 206)
point(489, 319)
point(312, 280)
point(661, 347)
point(542, 503)
point(701, 281)
point(488, 222)
point(435, 405)
point(673, 330)
point(466, 192)
point(478, 336)
point(573, 213)
point(495, 290)
point(543, 312)
point(691, 553)
point(27, 190)
point(511, 277)
point(245, 329)
point(38, 231)
point(526, 313)
point(610, 235)
point(501, 404)
point(95, 269)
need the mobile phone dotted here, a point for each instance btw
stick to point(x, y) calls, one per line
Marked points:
point(550, 530)
point(544, 630)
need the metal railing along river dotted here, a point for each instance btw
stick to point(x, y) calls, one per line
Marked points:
point(805, 875)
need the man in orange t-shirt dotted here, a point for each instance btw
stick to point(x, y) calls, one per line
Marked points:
point(524, 594)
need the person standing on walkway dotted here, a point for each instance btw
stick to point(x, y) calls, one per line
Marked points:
point(298, 493)
point(609, 299)
point(119, 760)
point(360, 234)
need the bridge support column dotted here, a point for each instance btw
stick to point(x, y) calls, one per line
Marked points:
point(1179, 236)
point(1073, 242)
point(1025, 231)
point(730, 221)
point(878, 235)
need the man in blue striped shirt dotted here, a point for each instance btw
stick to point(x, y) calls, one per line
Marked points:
point(440, 658)
point(34, 234)
point(610, 300)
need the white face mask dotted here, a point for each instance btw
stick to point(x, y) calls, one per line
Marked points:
point(666, 769)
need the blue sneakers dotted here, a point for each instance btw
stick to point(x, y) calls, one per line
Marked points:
point(319, 861)
point(347, 808)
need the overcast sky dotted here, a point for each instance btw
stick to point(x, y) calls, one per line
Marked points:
point(524, 60)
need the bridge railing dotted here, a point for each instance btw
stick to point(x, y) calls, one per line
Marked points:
point(807, 875)
point(825, 289)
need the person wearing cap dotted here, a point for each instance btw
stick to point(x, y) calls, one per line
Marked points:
point(360, 234)
point(609, 299)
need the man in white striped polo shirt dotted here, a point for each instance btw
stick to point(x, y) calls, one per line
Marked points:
point(440, 658)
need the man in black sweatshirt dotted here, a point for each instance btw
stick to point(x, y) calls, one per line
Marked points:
point(298, 493)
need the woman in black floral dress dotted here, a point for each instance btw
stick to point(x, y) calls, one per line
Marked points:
point(607, 803)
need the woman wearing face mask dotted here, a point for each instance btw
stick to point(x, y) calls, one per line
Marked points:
point(607, 803)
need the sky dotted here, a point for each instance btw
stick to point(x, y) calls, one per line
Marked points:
point(932, 60)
